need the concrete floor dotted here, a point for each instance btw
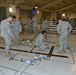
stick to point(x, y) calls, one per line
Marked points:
point(54, 66)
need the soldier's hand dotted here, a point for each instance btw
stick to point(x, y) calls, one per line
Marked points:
point(20, 33)
point(46, 43)
point(13, 39)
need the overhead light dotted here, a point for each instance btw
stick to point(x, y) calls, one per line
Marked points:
point(63, 14)
point(36, 6)
point(38, 12)
point(10, 9)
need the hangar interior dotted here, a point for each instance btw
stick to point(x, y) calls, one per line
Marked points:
point(22, 60)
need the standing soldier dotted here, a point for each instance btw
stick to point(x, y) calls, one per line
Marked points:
point(63, 29)
point(17, 28)
point(6, 32)
point(35, 25)
point(45, 24)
